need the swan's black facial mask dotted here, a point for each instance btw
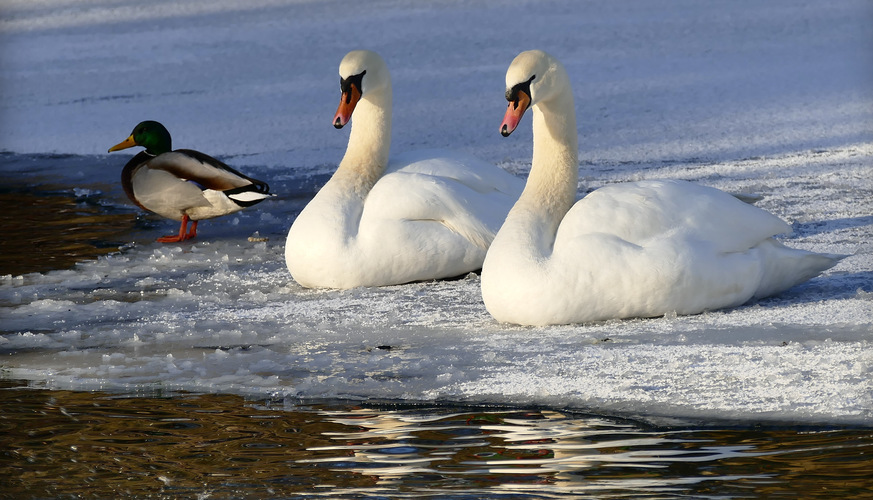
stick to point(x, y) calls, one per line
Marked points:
point(519, 100)
point(351, 88)
point(347, 83)
point(512, 94)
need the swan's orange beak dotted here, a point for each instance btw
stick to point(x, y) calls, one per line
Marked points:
point(347, 104)
point(514, 112)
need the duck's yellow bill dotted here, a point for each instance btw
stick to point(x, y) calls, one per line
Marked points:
point(127, 143)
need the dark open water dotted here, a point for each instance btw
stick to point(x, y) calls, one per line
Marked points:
point(61, 444)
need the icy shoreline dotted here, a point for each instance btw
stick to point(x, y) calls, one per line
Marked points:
point(224, 315)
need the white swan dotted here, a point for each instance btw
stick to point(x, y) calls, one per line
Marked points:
point(638, 249)
point(423, 215)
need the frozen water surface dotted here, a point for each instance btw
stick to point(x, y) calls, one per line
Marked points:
point(769, 99)
point(223, 315)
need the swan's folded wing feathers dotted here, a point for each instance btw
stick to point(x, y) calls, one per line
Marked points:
point(474, 173)
point(640, 212)
point(433, 199)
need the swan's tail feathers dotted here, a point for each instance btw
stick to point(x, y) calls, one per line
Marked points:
point(750, 198)
point(250, 194)
point(785, 267)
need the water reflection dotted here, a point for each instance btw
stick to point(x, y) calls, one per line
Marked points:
point(524, 452)
point(45, 229)
point(58, 443)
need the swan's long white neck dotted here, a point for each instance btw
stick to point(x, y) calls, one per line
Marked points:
point(369, 144)
point(551, 186)
point(337, 208)
point(554, 171)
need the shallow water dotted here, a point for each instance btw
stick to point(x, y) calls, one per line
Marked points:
point(56, 210)
point(38, 235)
point(98, 445)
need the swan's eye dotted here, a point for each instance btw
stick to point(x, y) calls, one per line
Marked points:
point(512, 94)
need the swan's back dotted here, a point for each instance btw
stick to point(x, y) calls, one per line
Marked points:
point(466, 194)
point(639, 212)
point(439, 196)
point(468, 170)
point(700, 219)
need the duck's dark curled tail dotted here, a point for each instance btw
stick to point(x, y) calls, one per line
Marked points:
point(249, 195)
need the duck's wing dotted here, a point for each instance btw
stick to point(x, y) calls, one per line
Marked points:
point(204, 170)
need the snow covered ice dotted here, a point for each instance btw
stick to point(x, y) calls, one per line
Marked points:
point(771, 99)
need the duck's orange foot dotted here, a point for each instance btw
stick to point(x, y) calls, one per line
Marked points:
point(172, 238)
point(183, 235)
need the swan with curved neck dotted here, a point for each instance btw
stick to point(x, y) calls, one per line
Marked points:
point(638, 249)
point(420, 216)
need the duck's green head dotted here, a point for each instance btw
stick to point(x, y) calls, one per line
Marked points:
point(151, 135)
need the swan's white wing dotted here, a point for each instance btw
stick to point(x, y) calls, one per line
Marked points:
point(418, 227)
point(646, 248)
point(444, 190)
point(470, 171)
point(641, 212)
point(434, 205)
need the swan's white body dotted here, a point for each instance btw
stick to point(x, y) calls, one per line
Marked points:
point(423, 215)
point(638, 249)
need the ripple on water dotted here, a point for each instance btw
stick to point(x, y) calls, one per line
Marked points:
point(101, 445)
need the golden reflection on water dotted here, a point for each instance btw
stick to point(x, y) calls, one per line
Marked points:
point(59, 443)
point(44, 231)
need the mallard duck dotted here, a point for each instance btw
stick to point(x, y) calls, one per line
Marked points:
point(419, 216)
point(635, 249)
point(184, 184)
